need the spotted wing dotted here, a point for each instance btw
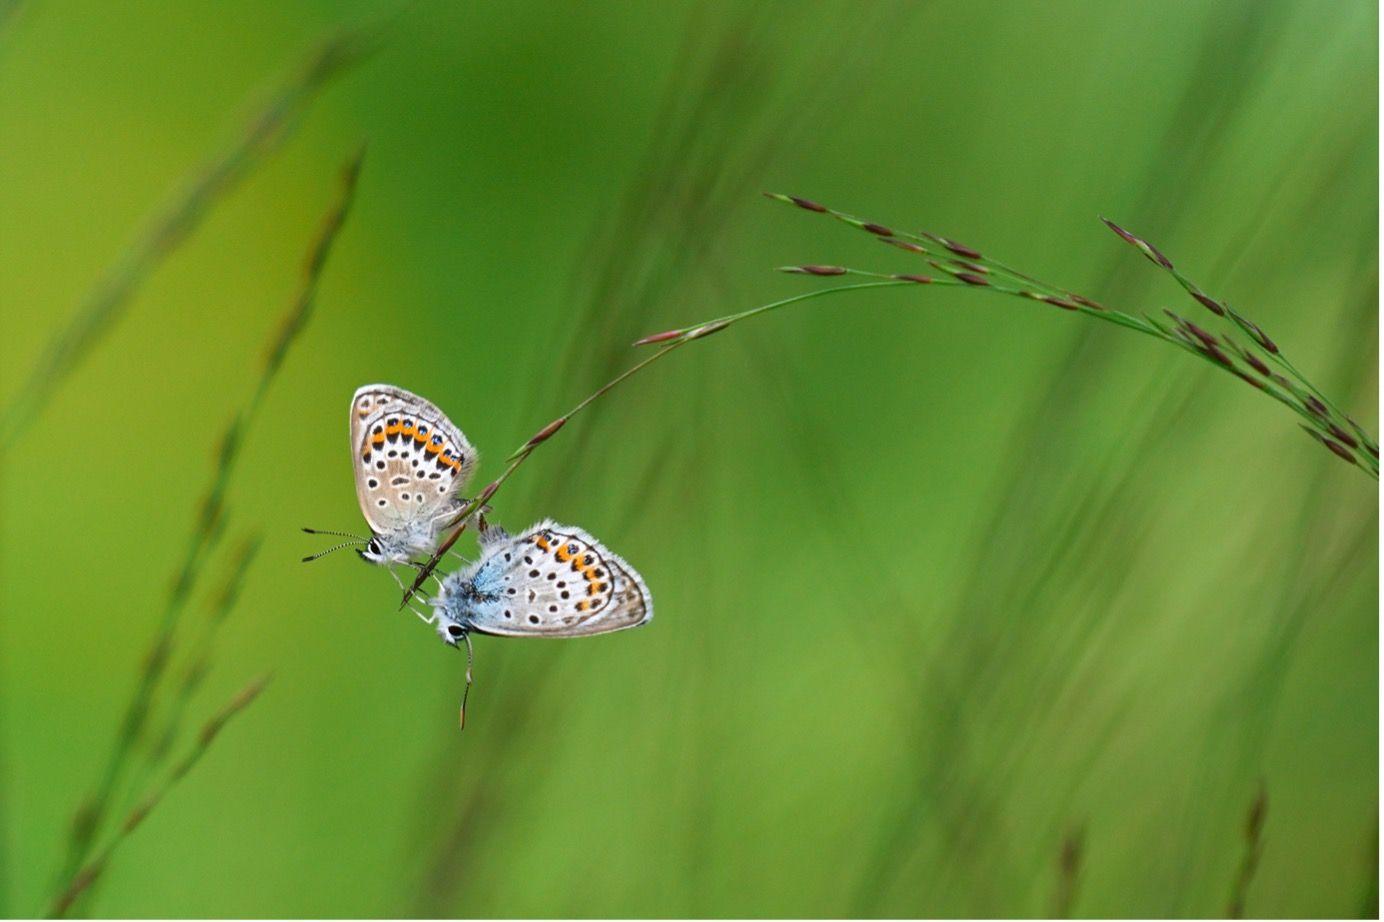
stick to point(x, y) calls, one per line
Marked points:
point(410, 461)
point(558, 581)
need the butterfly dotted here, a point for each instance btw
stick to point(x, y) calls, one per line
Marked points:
point(551, 580)
point(411, 465)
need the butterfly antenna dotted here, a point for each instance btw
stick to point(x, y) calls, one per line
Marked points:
point(339, 534)
point(470, 659)
point(311, 557)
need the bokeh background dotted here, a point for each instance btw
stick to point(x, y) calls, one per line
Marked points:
point(965, 605)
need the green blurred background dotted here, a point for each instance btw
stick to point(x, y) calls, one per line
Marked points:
point(965, 606)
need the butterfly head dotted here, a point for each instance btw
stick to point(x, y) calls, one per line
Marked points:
point(382, 551)
point(453, 607)
point(450, 631)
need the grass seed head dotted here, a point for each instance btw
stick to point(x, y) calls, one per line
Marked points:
point(908, 245)
point(1342, 436)
point(960, 249)
point(815, 270)
point(1211, 304)
point(1207, 338)
point(547, 431)
point(1148, 249)
point(710, 328)
point(1256, 363)
point(807, 203)
point(1216, 354)
point(658, 337)
point(1339, 450)
point(1252, 329)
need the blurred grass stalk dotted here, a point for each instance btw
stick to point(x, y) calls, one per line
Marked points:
point(89, 819)
point(90, 872)
point(1335, 430)
point(221, 604)
point(261, 135)
point(1069, 873)
point(1254, 848)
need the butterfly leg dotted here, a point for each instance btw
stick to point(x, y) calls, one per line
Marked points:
point(426, 597)
point(395, 576)
point(400, 583)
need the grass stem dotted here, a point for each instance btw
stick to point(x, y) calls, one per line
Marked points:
point(86, 875)
point(91, 815)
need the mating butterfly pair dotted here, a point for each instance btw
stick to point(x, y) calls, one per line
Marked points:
point(411, 466)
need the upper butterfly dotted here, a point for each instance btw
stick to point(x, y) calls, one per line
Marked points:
point(411, 465)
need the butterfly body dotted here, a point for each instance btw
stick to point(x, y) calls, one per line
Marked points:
point(551, 580)
point(401, 546)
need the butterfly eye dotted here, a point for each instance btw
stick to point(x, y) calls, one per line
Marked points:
point(454, 630)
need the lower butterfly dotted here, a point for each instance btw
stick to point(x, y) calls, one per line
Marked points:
point(551, 580)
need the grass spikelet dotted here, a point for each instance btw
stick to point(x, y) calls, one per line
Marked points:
point(1143, 246)
point(814, 270)
point(219, 609)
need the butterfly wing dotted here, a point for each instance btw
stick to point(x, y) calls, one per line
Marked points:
point(557, 581)
point(410, 461)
